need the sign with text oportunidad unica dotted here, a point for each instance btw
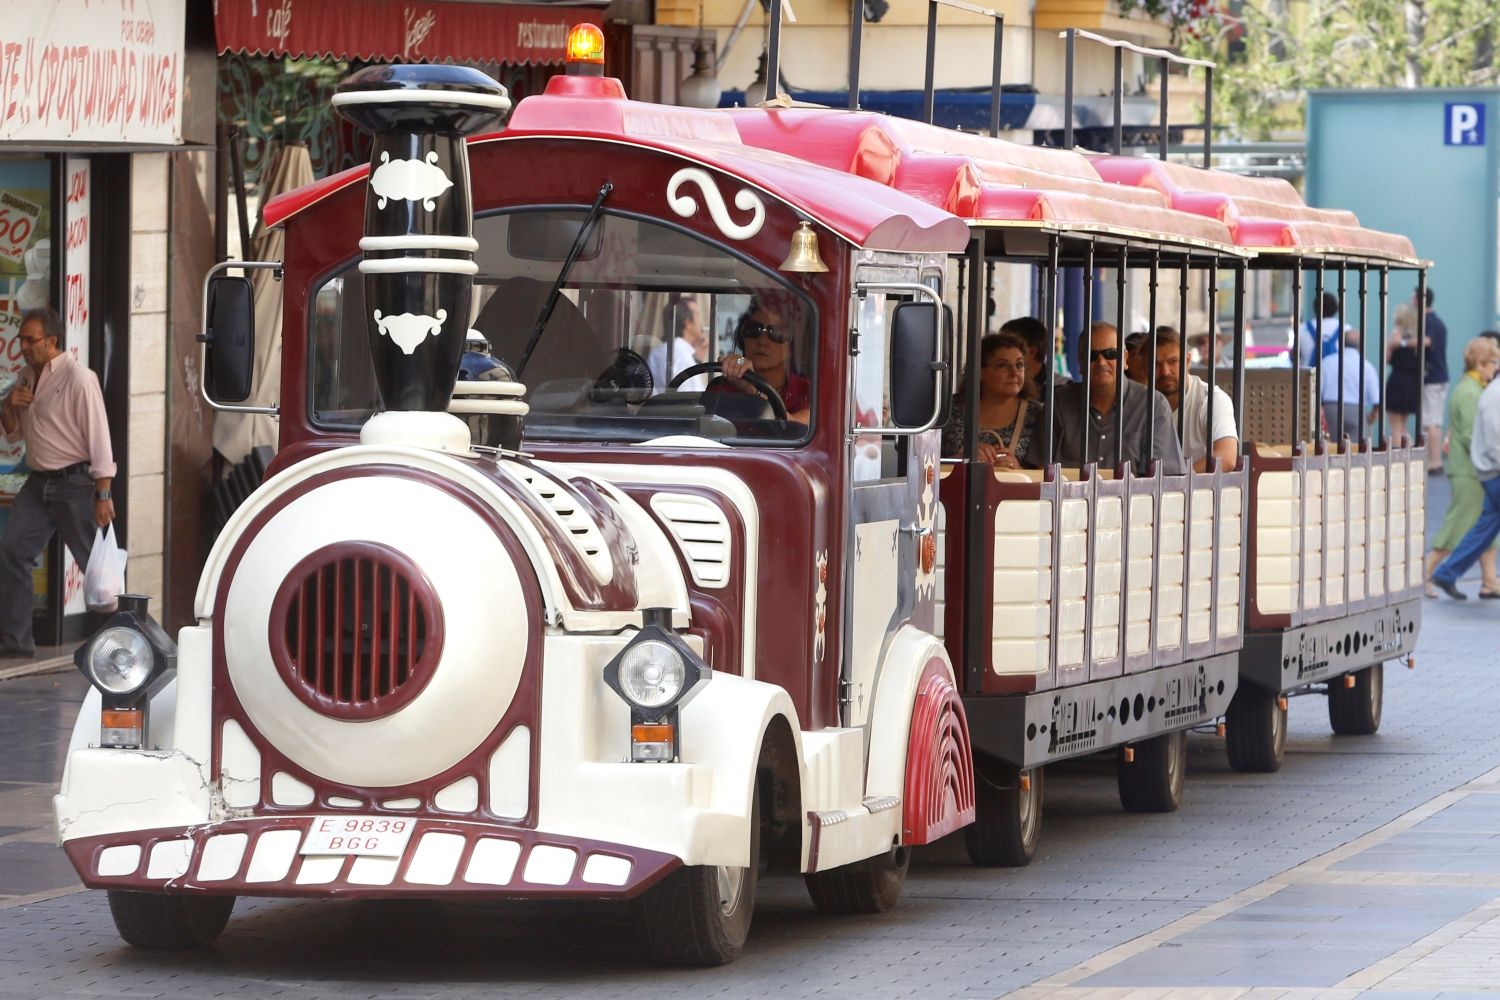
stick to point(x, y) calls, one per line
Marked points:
point(91, 70)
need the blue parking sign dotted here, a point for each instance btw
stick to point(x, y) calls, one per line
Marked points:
point(1463, 124)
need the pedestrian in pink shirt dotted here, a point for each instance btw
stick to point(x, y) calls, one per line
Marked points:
point(56, 406)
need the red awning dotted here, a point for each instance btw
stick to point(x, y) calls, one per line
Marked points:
point(399, 30)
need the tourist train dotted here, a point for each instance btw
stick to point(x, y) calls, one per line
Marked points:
point(588, 625)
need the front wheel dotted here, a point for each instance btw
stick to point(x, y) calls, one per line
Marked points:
point(1152, 781)
point(1355, 711)
point(160, 920)
point(869, 886)
point(700, 914)
point(1255, 730)
point(1007, 815)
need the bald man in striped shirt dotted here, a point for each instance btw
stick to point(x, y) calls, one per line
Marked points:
point(58, 409)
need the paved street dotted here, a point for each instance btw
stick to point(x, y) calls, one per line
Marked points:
point(1366, 867)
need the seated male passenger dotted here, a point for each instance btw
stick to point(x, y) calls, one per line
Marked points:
point(1190, 393)
point(765, 349)
point(1093, 437)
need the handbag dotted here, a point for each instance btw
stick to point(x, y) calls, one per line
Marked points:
point(104, 577)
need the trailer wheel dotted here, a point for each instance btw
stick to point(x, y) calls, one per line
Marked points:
point(1355, 711)
point(1152, 782)
point(700, 914)
point(170, 921)
point(1007, 815)
point(1255, 730)
point(869, 886)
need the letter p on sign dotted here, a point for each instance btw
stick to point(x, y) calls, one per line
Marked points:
point(1463, 125)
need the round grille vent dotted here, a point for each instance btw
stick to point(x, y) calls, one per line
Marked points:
point(356, 630)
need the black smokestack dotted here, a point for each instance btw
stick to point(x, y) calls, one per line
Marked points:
point(419, 221)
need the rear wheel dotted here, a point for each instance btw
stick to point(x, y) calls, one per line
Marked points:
point(1007, 815)
point(160, 920)
point(1355, 711)
point(1255, 730)
point(1152, 781)
point(869, 886)
point(700, 915)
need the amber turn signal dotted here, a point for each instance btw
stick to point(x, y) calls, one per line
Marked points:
point(585, 44)
point(653, 733)
point(120, 718)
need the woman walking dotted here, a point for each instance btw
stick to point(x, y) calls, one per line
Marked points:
point(1007, 406)
point(1402, 387)
point(1481, 359)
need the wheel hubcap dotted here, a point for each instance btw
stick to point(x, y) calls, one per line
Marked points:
point(731, 885)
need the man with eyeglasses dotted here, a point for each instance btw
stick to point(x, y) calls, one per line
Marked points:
point(1094, 437)
point(57, 407)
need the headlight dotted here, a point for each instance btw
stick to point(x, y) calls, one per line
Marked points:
point(120, 660)
point(651, 673)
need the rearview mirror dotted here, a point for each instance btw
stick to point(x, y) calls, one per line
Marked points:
point(229, 338)
point(916, 372)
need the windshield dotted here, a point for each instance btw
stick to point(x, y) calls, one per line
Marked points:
point(641, 306)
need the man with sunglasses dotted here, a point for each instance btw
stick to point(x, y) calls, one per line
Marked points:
point(1094, 437)
point(765, 349)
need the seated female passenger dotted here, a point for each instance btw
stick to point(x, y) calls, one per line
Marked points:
point(1007, 407)
point(764, 345)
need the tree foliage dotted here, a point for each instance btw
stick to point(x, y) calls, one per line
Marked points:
point(1271, 52)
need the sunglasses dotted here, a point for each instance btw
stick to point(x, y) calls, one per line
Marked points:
point(753, 329)
point(1108, 354)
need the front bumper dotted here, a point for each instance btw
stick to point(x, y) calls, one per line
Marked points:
point(260, 857)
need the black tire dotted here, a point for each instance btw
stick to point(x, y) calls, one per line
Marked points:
point(1007, 820)
point(687, 919)
point(1255, 730)
point(869, 886)
point(1355, 711)
point(1152, 782)
point(160, 920)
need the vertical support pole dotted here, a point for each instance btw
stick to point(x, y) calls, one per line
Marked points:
point(975, 330)
point(1184, 368)
point(1208, 117)
point(1162, 139)
point(1068, 90)
point(1120, 263)
point(1237, 390)
point(1049, 363)
point(928, 102)
point(1151, 338)
point(1420, 435)
point(773, 52)
point(1381, 293)
point(1296, 368)
point(1317, 339)
point(977, 612)
point(856, 43)
point(1117, 144)
point(997, 89)
point(1209, 462)
point(1340, 372)
point(1085, 341)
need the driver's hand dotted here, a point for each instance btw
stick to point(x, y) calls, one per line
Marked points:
point(735, 366)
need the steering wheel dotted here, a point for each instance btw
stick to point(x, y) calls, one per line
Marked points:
point(760, 385)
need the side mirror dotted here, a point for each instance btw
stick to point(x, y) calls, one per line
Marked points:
point(917, 399)
point(229, 338)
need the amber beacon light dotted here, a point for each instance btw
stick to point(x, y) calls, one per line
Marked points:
point(585, 54)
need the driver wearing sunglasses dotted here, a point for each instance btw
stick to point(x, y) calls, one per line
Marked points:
point(765, 349)
point(1093, 437)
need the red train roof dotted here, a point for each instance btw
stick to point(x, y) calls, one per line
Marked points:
point(1263, 213)
point(865, 213)
point(978, 178)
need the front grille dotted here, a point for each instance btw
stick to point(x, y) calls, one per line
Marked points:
point(360, 628)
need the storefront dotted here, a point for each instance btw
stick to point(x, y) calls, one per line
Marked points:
point(92, 99)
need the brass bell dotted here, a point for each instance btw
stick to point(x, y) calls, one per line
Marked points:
point(804, 257)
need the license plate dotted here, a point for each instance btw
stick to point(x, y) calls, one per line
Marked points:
point(369, 836)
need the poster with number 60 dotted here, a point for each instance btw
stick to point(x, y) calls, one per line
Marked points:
point(18, 219)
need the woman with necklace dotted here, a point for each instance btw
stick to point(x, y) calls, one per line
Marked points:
point(1007, 406)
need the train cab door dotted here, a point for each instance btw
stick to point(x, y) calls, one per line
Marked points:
point(892, 504)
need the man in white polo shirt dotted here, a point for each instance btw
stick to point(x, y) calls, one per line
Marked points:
point(57, 407)
point(1188, 392)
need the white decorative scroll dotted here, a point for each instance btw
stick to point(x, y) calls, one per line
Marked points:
point(409, 180)
point(746, 201)
point(820, 605)
point(409, 330)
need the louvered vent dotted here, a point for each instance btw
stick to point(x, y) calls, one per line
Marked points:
point(701, 532)
point(574, 520)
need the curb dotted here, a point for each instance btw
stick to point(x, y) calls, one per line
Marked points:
point(55, 664)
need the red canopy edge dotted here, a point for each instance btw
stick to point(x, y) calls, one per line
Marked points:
point(400, 31)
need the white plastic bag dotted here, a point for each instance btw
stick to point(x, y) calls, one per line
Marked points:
point(104, 578)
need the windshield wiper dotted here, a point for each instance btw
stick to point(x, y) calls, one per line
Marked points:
point(584, 231)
